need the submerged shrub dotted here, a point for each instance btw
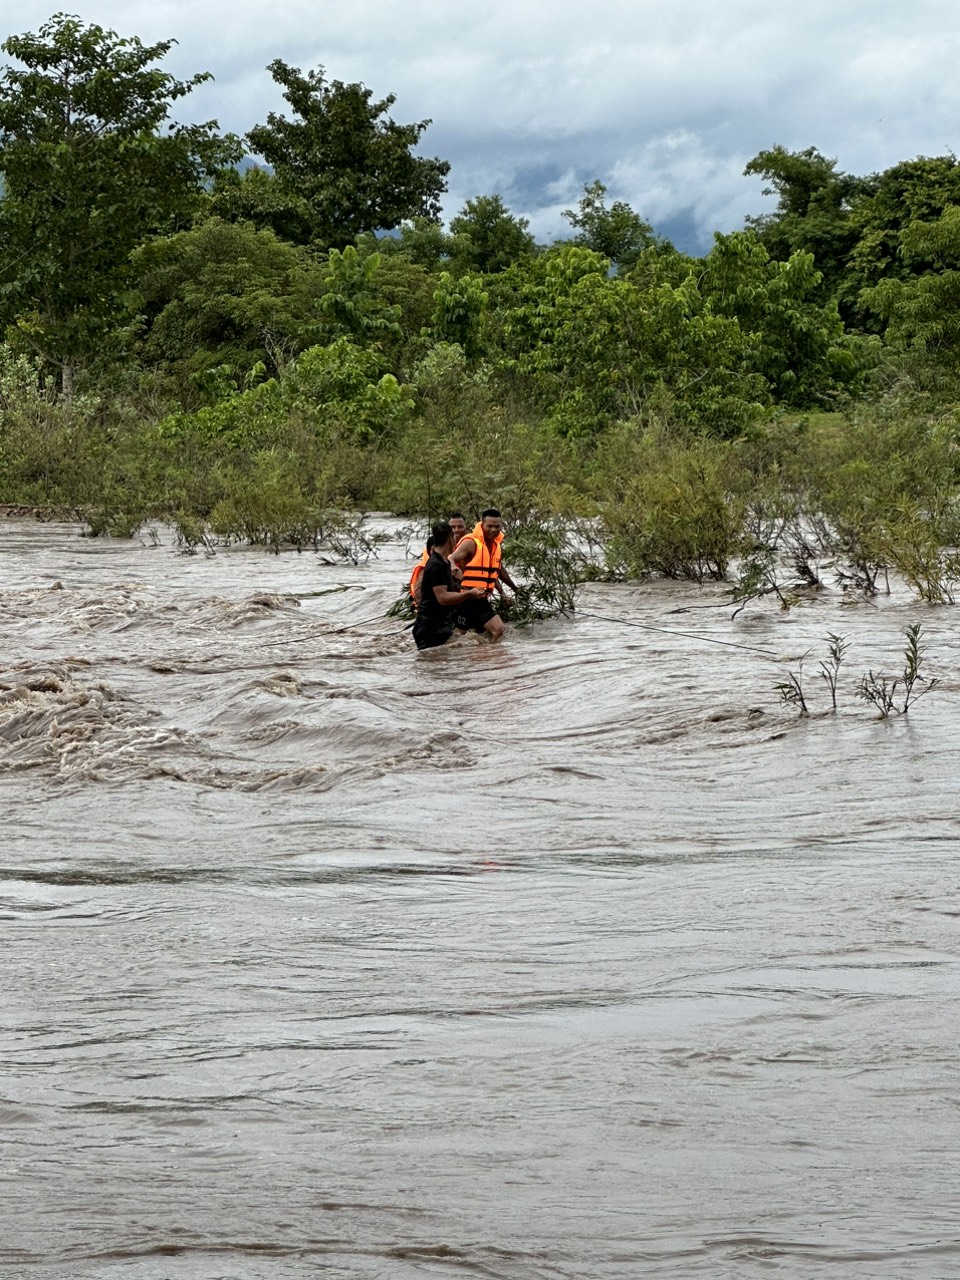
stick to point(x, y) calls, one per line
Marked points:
point(265, 504)
point(879, 493)
point(551, 562)
point(887, 693)
point(681, 515)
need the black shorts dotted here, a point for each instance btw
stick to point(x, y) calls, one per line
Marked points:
point(429, 635)
point(473, 615)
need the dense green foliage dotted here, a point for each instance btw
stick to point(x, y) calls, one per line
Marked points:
point(617, 233)
point(352, 170)
point(87, 175)
point(249, 354)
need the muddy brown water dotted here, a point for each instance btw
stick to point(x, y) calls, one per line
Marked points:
point(576, 956)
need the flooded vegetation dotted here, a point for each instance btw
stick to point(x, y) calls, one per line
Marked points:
point(626, 946)
point(577, 955)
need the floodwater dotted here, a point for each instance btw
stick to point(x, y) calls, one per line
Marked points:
point(573, 957)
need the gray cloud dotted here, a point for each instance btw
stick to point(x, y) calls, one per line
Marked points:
point(665, 104)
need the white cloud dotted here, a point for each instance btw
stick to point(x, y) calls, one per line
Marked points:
point(664, 103)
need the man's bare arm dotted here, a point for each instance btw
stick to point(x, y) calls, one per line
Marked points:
point(465, 552)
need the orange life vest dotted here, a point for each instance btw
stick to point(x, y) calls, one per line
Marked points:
point(484, 569)
point(418, 569)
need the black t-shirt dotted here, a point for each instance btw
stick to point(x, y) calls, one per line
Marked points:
point(436, 573)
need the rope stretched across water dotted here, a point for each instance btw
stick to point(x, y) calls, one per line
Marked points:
point(686, 635)
point(324, 629)
point(321, 629)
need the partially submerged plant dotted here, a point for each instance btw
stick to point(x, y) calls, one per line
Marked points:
point(830, 668)
point(192, 534)
point(757, 576)
point(887, 693)
point(344, 534)
point(913, 656)
point(881, 690)
point(402, 607)
point(791, 690)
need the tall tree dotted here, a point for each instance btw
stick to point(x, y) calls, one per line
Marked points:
point(595, 349)
point(487, 237)
point(221, 294)
point(921, 313)
point(800, 180)
point(617, 232)
point(794, 338)
point(421, 240)
point(813, 213)
point(913, 191)
point(86, 176)
point(355, 170)
point(853, 225)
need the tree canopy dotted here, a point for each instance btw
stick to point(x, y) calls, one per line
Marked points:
point(143, 252)
point(851, 225)
point(88, 171)
point(350, 163)
point(617, 232)
point(485, 236)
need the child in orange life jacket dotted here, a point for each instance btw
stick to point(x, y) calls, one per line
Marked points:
point(478, 555)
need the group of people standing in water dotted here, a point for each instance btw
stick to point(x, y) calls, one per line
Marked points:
point(452, 584)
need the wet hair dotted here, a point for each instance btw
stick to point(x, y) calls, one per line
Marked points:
point(441, 534)
point(491, 511)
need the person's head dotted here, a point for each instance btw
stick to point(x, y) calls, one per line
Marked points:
point(457, 523)
point(430, 544)
point(491, 522)
point(441, 536)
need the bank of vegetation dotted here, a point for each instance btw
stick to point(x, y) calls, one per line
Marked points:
point(249, 352)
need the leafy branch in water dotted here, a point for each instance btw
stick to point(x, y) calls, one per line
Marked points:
point(879, 690)
point(882, 691)
point(552, 565)
point(830, 668)
point(402, 607)
point(791, 691)
point(346, 536)
point(757, 577)
point(913, 657)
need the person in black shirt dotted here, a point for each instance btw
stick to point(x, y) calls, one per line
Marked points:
point(438, 595)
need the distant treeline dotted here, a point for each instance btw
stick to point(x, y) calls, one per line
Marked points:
point(244, 349)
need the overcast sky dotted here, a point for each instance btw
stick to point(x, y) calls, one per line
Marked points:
point(664, 103)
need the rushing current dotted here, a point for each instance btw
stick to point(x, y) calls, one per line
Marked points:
point(576, 956)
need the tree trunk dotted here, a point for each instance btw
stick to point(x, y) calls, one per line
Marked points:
point(66, 374)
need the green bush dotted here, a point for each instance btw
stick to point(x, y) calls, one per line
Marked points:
point(681, 513)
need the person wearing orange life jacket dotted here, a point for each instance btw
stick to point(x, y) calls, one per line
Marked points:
point(478, 556)
point(457, 523)
point(459, 526)
point(441, 595)
point(417, 574)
